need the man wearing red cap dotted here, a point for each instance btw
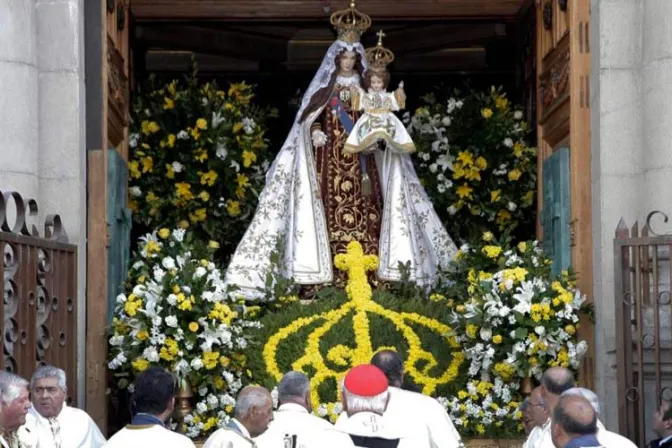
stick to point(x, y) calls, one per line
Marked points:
point(365, 397)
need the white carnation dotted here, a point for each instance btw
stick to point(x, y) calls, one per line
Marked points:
point(151, 354)
point(201, 408)
point(433, 167)
point(135, 191)
point(508, 142)
point(200, 272)
point(221, 152)
point(172, 299)
point(197, 364)
point(518, 115)
point(182, 135)
point(168, 263)
point(178, 167)
point(116, 340)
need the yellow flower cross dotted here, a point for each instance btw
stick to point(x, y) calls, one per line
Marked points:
point(359, 294)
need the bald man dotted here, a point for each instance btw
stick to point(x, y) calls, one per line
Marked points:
point(606, 438)
point(538, 414)
point(574, 423)
point(554, 382)
point(253, 414)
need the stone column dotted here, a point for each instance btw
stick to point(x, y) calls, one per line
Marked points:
point(62, 144)
point(617, 151)
point(18, 101)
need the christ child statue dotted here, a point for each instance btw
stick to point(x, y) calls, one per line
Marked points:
point(378, 125)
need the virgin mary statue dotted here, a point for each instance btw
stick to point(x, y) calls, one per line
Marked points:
point(317, 198)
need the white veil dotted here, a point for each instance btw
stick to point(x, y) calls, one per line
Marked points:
point(290, 210)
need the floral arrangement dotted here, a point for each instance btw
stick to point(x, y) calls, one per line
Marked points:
point(177, 314)
point(198, 158)
point(338, 331)
point(517, 320)
point(474, 162)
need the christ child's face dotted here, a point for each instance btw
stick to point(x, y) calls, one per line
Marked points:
point(377, 84)
point(347, 61)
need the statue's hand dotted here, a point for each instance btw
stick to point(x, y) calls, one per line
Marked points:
point(319, 138)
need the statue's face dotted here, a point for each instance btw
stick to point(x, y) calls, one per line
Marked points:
point(347, 61)
point(377, 84)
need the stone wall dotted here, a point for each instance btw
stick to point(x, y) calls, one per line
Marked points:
point(42, 116)
point(631, 127)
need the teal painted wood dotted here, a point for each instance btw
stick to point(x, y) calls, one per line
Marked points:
point(119, 227)
point(555, 219)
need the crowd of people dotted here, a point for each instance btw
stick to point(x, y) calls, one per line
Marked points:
point(377, 412)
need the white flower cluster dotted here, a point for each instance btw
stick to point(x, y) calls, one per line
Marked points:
point(156, 329)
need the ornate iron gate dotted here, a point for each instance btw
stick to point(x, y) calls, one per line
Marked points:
point(642, 278)
point(39, 272)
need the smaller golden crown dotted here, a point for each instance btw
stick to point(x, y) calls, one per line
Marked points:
point(379, 57)
point(350, 23)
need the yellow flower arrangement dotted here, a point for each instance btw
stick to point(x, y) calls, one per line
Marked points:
point(418, 365)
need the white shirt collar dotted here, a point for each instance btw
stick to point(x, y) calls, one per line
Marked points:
point(293, 407)
point(242, 428)
point(664, 440)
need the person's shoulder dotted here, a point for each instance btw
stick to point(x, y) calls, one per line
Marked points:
point(418, 398)
point(223, 435)
point(609, 439)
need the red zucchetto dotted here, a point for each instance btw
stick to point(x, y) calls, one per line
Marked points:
point(365, 380)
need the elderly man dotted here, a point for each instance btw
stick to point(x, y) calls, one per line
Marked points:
point(293, 421)
point(57, 424)
point(14, 405)
point(537, 414)
point(154, 399)
point(574, 423)
point(253, 413)
point(365, 397)
point(554, 382)
point(405, 404)
point(606, 438)
point(662, 425)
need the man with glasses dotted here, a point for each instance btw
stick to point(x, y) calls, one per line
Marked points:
point(538, 416)
point(58, 425)
point(662, 425)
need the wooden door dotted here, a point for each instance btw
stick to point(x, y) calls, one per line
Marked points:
point(563, 133)
point(108, 93)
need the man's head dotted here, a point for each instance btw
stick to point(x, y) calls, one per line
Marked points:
point(14, 401)
point(573, 416)
point(390, 363)
point(554, 382)
point(365, 390)
point(295, 388)
point(254, 409)
point(662, 419)
point(537, 412)
point(525, 419)
point(48, 388)
point(154, 393)
point(588, 395)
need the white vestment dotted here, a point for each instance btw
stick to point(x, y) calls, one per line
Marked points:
point(533, 437)
point(412, 408)
point(147, 436)
point(368, 424)
point(26, 437)
point(378, 123)
point(72, 426)
point(292, 419)
point(290, 217)
point(545, 440)
point(231, 438)
point(611, 439)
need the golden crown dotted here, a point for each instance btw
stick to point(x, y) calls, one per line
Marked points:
point(379, 57)
point(350, 23)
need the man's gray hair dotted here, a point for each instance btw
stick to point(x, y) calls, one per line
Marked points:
point(293, 385)
point(588, 394)
point(50, 372)
point(11, 386)
point(249, 397)
point(525, 405)
point(356, 403)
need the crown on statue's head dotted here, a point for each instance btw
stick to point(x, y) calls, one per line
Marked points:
point(350, 23)
point(379, 57)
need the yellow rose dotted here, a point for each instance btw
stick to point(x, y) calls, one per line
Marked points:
point(514, 174)
point(142, 335)
point(213, 244)
point(184, 224)
point(202, 124)
point(522, 246)
point(495, 195)
point(497, 339)
point(168, 104)
point(164, 233)
point(193, 327)
point(570, 329)
point(460, 308)
point(140, 364)
point(488, 236)
point(487, 113)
